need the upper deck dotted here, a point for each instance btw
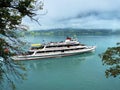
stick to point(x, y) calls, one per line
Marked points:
point(67, 43)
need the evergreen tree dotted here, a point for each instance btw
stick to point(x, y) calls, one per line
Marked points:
point(111, 58)
point(11, 14)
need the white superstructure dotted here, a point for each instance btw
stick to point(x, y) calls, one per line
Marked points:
point(55, 49)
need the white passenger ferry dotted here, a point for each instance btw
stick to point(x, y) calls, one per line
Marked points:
point(55, 49)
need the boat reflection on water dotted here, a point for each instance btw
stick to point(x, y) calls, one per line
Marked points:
point(53, 63)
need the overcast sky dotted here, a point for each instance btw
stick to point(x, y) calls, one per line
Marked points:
point(78, 14)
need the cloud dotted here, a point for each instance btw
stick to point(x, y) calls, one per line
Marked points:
point(79, 14)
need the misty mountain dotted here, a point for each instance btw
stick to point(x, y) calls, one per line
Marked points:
point(70, 32)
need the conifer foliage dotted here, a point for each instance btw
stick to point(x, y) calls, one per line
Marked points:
point(11, 14)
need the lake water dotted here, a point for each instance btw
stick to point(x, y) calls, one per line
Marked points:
point(78, 72)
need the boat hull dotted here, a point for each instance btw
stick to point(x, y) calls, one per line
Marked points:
point(53, 54)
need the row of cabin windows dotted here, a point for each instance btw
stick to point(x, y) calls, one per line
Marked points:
point(60, 50)
point(63, 45)
point(41, 47)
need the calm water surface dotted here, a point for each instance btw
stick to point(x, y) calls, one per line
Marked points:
point(78, 72)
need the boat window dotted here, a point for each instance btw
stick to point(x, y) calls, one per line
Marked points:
point(30, 53)
point(41, 47)
point(40, 52)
